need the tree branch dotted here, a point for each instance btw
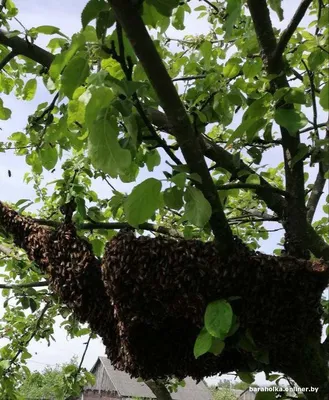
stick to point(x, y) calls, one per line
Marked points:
point(229, 186)
point(295, 222)
point(170, 101)
point(7, 59)
point(24, 285)
point(24, 48)
point(111, 225)
point(159, 389)
point(291, 28)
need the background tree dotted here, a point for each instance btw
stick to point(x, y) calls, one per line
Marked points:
point(198, 118)
point(54, 383)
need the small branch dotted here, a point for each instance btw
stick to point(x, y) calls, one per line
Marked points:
point(291, 28)
point(24, 285)
point(189, 78)
point(34, 332)
point(321, 125)
point(7, 59)
point(315, 111)
point(48, 109)
point(111, 225)
point(212, 6)
point(229, 186)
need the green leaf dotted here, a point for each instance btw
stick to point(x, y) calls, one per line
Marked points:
point(153, 159)
point(33, 305)
point(295, 95)
point(179, 179)
point(273, 377)
point(143, 201)
point(173, 198)
point(49, 30)
point(252, 67)
point(232, 68)
point(62, 59)
point(217, 346)
point(218, 318)
point(5, 113)
point(104, 150)
point(233, 11)
point(276, 7)
point(265, 396)
point(202, 344)
point(164, 7)
point(246, 377)
point(324, 97)
point(290, 119)
point(91, 11)
point(197, 207)
point(29, 89)
point(316, 58)
point(253, 179)
point(98, 246)
point(48, 156)
point(99, 98)
point(74, 75)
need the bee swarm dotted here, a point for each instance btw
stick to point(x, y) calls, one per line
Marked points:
point(148, 297)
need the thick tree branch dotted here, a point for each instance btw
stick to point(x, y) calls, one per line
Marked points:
point(150, 59)
point(295, 222)
point(159, 389)
point(291, 28)
point(24, 48)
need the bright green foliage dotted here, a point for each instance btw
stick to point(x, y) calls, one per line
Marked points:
point(55, 383)
point(197, 208)
point(143, 201)
point(218, 318)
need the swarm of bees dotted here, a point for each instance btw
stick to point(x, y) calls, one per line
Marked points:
point(147, 298)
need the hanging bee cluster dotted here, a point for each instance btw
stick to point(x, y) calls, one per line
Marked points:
point(160, 288)
point(27, 235)
point(74, 272)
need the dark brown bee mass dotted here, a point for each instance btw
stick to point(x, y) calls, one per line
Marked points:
point(148, 298)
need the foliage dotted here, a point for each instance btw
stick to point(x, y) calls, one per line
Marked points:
point(104, 123)
point(55, 383)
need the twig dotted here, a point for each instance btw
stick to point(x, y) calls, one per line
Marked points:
point(189, 78)
point(314, 106)
point(7, 59)
point(321, 125)
point(48, 109)
point(24, 285)
point(109, 225)
point(212, 6)
point(289, 31)
point(230, 186)
point(34, 332)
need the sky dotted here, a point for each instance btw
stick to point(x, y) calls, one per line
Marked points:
point(66, 16)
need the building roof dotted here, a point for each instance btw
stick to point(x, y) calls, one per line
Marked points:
point(126, 386)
